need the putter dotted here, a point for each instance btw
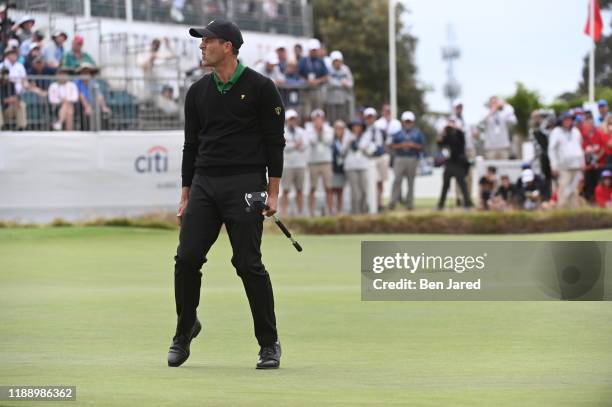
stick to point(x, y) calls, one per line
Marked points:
point(257, 201)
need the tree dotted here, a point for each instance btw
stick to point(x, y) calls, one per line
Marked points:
point(358, 28)
point(524, 101)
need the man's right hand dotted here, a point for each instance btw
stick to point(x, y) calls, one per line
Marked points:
point(182, 204)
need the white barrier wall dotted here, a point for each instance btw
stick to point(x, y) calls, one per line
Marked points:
point(76, 176)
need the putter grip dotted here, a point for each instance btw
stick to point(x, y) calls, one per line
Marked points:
point(282, 227)
point(297, 246)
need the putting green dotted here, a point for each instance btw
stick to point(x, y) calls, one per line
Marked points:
point(94, 307)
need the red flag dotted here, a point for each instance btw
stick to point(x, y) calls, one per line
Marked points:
point(598, 22)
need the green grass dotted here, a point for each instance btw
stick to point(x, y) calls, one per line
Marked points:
point(94, 307)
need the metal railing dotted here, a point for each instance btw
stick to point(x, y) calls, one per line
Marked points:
point(274, 16)
point(142, 103)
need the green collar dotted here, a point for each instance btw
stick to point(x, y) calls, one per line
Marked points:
point(224, 87)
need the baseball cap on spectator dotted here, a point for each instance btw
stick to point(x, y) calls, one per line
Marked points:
point(457, 103)
point(12, 43)
point(527, 176)
point(567, 115)
point(356, 122)
point(606, 174)
point(33, 46)
point(602, 103)
point(280, 45)
point(78, 39)
point(10, 50)
point(313, 44)
point(272, 58)
point(369, 111)
point(291, 114)
point(25, 19)
point(222, 29)
point(87, 66)
point(408, 116)
point(525, 166)
point(39, 35)
point(317, 113)
point(58, 33)
point(336, 55)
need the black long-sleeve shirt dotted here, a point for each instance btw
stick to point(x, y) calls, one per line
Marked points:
point(454, 139)
point(238, 131)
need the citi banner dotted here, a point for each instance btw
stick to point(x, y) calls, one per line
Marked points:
point(487, 271)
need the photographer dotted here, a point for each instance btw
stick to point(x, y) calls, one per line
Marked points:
point(541, 123)
point(456, 164)
point(496, 129)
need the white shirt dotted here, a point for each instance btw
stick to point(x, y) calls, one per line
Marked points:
point(17, 74)
point(295, 157)
point(496, 132)
point(389, 127)
point(359, 159)
point(320, 144)
point(60, 92)
point(565, 149)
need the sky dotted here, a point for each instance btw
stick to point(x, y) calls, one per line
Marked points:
point(538, 42)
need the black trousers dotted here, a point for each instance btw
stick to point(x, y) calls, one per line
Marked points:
point(458, 171)
point(214, 201)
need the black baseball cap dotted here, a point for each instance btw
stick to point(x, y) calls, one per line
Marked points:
point(223, 29)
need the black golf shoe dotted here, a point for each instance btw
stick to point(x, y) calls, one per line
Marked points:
point(269, 356)
point(179, 350)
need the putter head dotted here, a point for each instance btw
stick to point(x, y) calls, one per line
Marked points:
point(256, 200)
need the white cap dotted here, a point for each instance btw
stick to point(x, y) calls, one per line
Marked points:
point(408, 116)
point(336, 55)
point(370, 111)
point(313, 44)
point(33, 45)
point(280, 45)
point(457, 102)
point(291, 114)
point(272, 58)
point(527, 176)
point(25, 18)
point(317, 113)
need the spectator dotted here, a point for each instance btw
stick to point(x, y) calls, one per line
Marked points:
point(87, 88)
point(76, 56)
point(269, 68)
point(541, 123)
point(603, 192)
point(566, 160)
point(292, 77)
point(283, 59)
point(54, 52)
point(488, 183)
point(406, 146)
point(23, 28)
point(529, 190)
point(505, 195)
point(604, 111)
point(320, 139)
point(150, 63)
point(606, 129)
point(298, 52)
point(28, 45)
point(12, 107)
point(380, 157)
point(166, 102)
point(496, 132)
point(291, 91)
point(357, 147)
point(5, 27)
point(341, 84)
point(17, 72)
point(594, 146)
point(33, 53)
point(63, 94)
point(294, 173)
point(338, 176)
point(313, 70)
point(37, 84)
point(387, 124)
point(456, 165)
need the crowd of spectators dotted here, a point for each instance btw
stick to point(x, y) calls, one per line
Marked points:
point(60, 79)
point(572, 165)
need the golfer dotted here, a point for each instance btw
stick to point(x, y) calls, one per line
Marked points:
point(234, 133)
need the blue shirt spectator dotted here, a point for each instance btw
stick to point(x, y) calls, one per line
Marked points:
point(312, 68)
point(408, 134)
